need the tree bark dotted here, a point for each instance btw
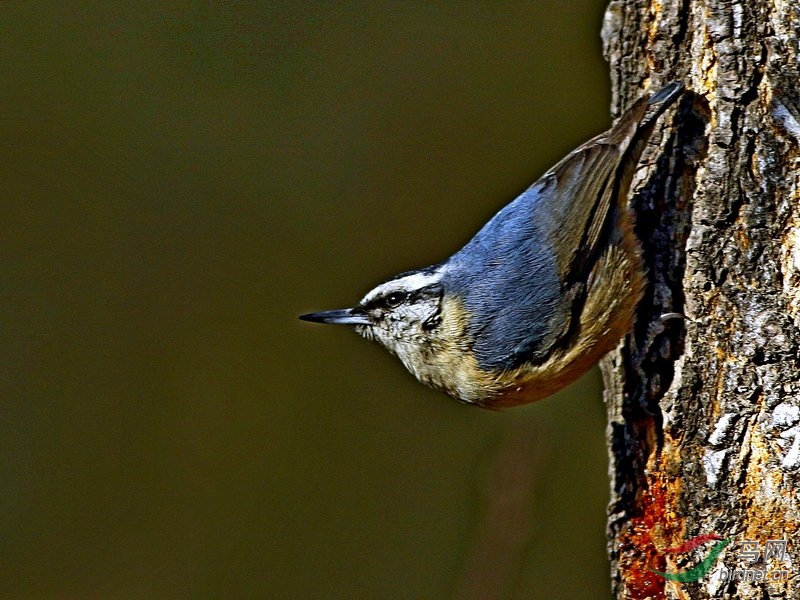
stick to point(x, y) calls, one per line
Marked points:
point(704, 411)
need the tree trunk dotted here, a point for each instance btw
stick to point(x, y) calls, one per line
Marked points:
point(704, 411)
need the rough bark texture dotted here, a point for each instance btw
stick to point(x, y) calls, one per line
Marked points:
point(704, 413)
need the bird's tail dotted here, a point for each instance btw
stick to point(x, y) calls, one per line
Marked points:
point(661, 100)
point(667, 93)
point(641, 117)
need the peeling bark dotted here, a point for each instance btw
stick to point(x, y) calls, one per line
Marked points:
point(704, 412)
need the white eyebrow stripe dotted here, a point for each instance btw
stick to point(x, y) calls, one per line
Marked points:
point(409, 283)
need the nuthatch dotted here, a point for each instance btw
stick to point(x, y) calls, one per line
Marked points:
point(546, 288)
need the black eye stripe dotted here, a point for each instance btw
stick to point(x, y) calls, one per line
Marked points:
point(398, 297)
point(390, 300)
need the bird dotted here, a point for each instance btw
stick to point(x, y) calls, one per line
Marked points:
point(546, 288)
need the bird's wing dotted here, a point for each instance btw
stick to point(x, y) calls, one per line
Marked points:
point(581, 196)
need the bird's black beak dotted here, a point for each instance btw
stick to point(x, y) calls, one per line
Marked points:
point(345, 316)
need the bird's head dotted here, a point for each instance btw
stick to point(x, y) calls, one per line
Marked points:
point(403, 314)
point(423, 318)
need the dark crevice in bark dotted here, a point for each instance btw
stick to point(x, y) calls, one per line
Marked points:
point(664, 219)
point(663, 223)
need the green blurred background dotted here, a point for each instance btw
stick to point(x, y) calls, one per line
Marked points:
point(180, 181)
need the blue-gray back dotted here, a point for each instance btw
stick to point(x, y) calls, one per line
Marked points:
point(508, 281)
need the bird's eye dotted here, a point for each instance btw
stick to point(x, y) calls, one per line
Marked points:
point(395, 299)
